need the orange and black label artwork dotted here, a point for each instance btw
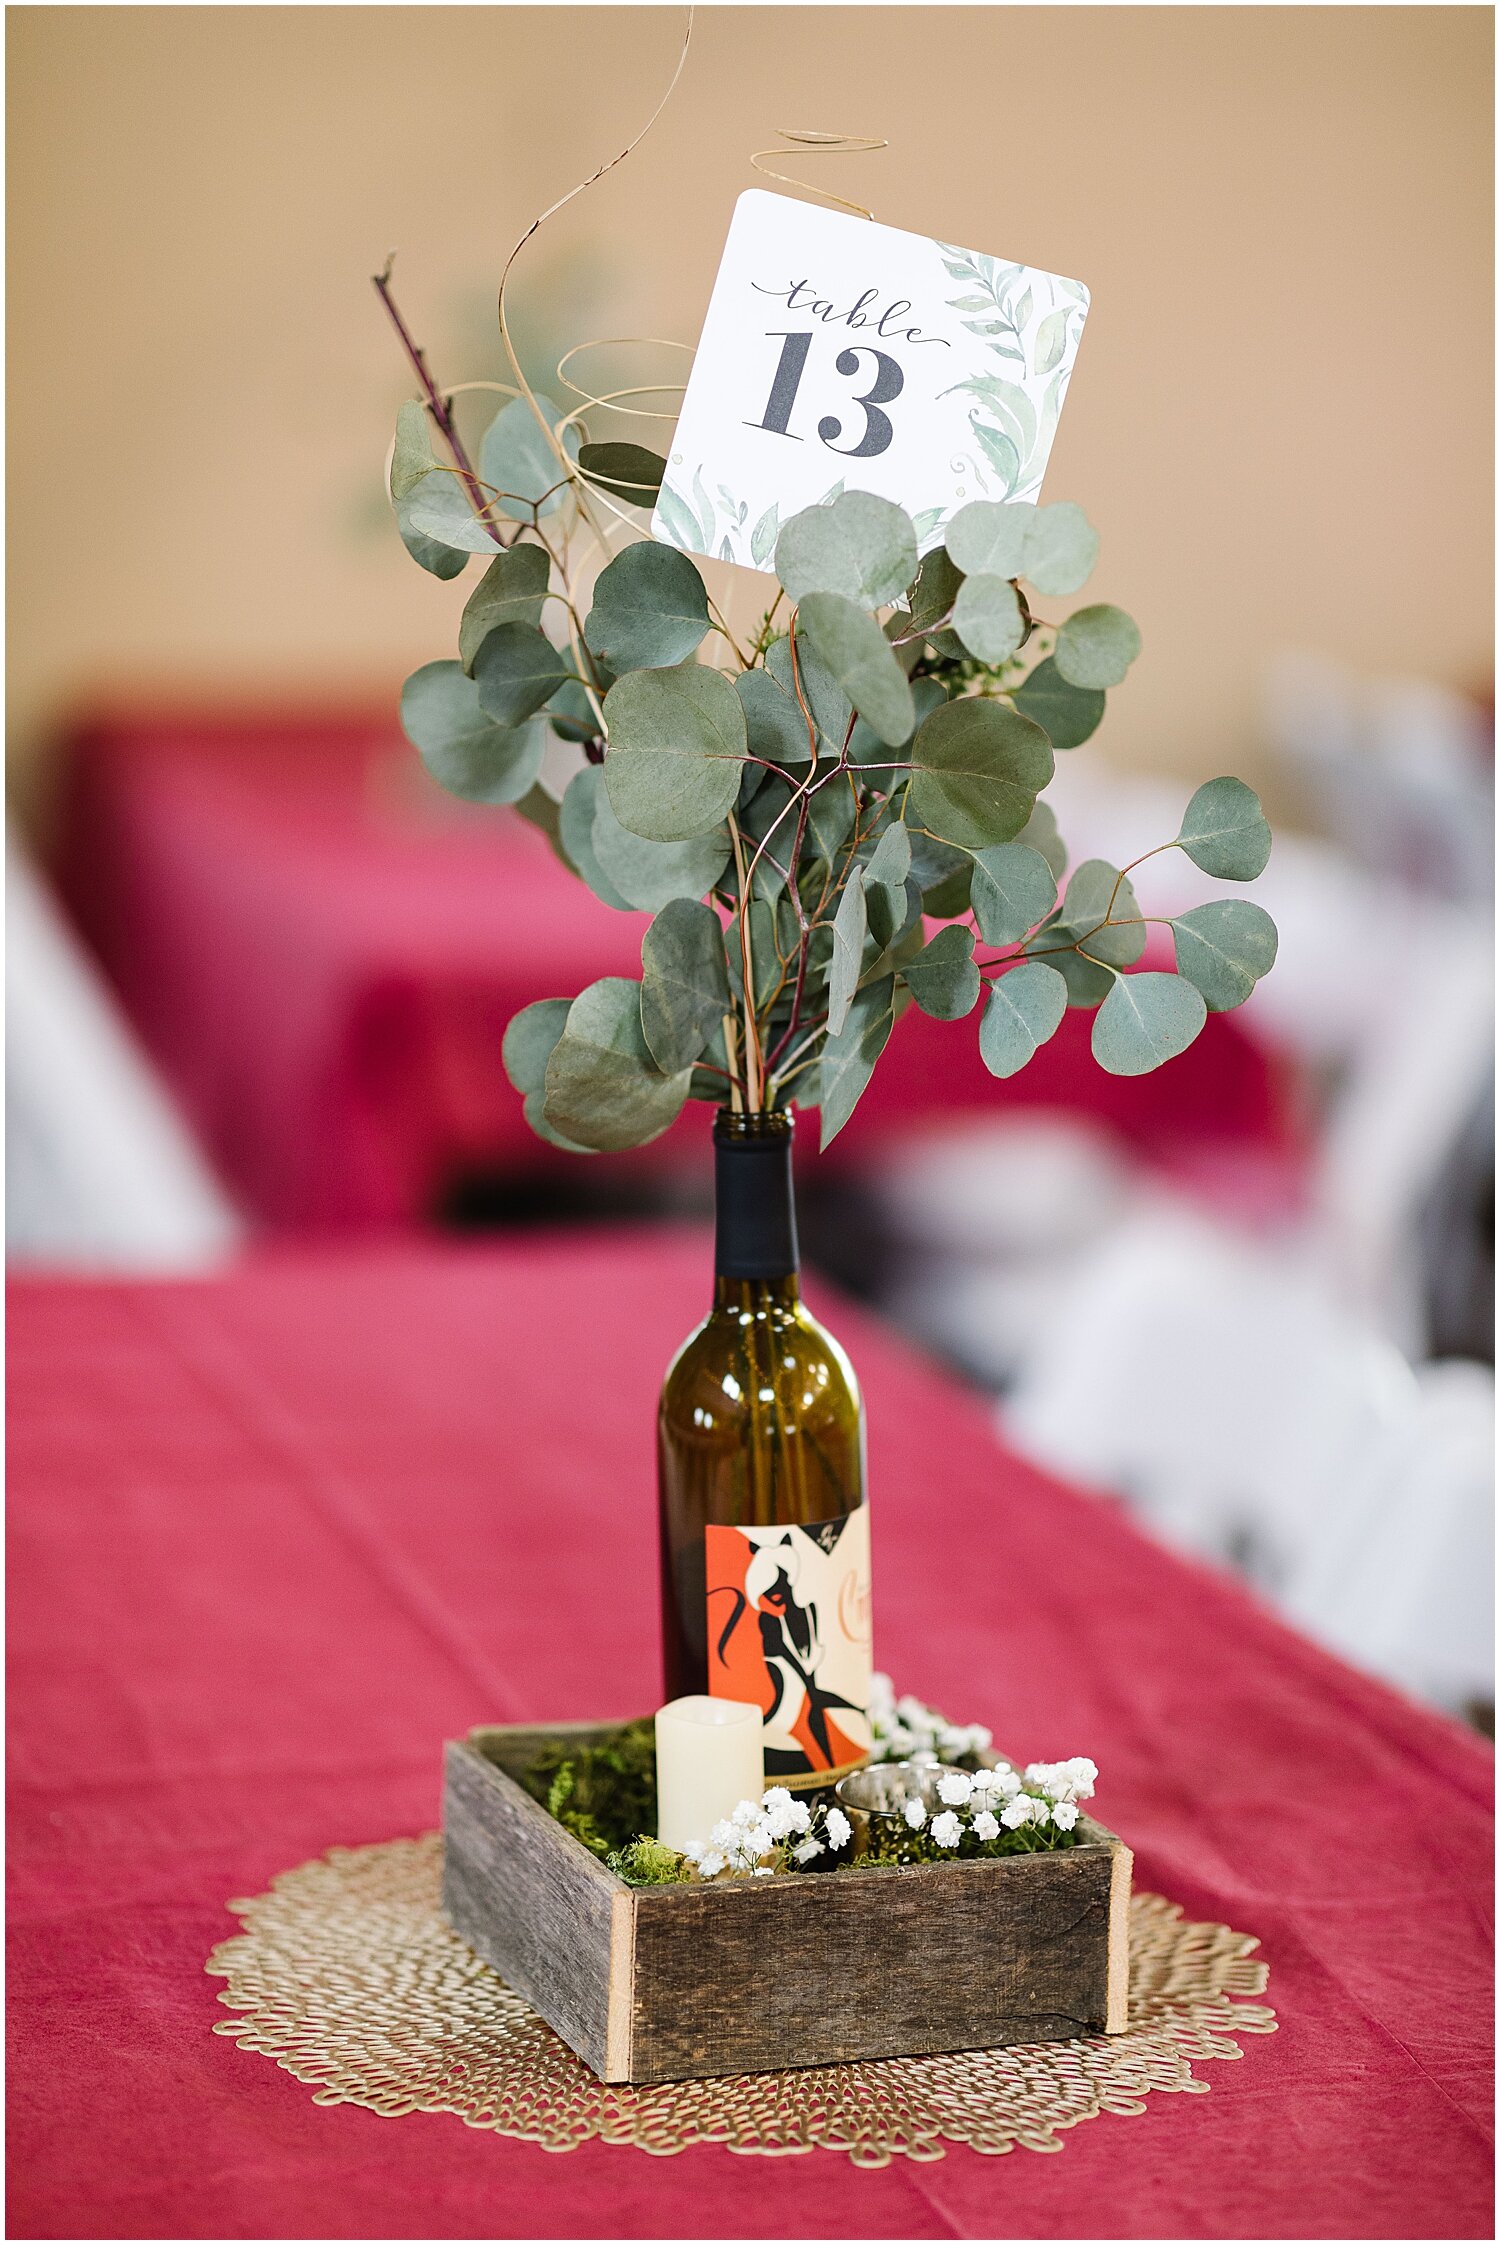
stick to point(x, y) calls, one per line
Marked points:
point(789, 1629)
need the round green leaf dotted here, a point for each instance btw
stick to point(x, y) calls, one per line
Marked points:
point(849, 925)
point(1011, 892)
point(511, 591)
point(1096, 646)
point(1061, 548)
point(438, 508)
point(603, 1089)
point(1100, 912)
point(987, 617)
point(858, 656)
point(858, 546)
point(943, 977)
point(890, 860)
point(775, 727)
point(1224, 948)
point(1224, 831)
point(650, 874)
point(628, 471)
point(465, 751)
point(979, 767)
point(650, 609)
point(676, 747)
point(575, 828)
point(684, 989)
point(1067, 714)
point(942, 873)
point(1040, 834)
point(989, 540)
point(934, 591)
point(517, 462)
point(1022, 1011)
point(570, 713)
point(516, 670)
point(412, 458)
point(1146, 1019)
point(529, 1037)
point(866, 745)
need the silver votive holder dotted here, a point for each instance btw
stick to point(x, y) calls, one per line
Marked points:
point(883, 1790)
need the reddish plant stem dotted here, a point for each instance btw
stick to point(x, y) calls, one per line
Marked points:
point(437, 405)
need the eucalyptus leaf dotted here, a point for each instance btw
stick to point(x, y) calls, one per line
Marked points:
point(1096, 646)
point(540, 808)
point(848, 1060)
point(517, 462)
point(1061, 548)
point(1012, 891)
point(989, 539)
point(775, 727)
point(979, 767)
point(1087, 984)
point(576, 832)
point(1040, 834)
point(890, 861)
point(684, 988)
point(934, 591)
point(849, 923)
point(861, 547)
point(1224, 831)
point(1224, 948)
point(463, 749)
point(650, 609)
point(1024, 1009)
point(1145, 1020)
point(534, 1108)
point(438, 508)
point(529, 1037)
point(1100, 912)
point(943, 874)
point(866, 745)
point(826, 701)
point(511, 591)
point(627, 471)
point(858, 656)
point(438, 560)
point(649, 875)
point(676, 747)
point(516, 670)
point(943, 977)
point(892, 910)
point(831, 812)
point(570, 713)
point(1067, 714)
point(603, 1089)
point(987, 617)
point(412, 458)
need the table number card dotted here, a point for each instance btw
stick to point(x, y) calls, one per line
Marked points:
point(838, 354)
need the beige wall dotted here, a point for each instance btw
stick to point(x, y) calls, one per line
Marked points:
point(1280, 420)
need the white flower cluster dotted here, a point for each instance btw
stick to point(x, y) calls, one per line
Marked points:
point(903, 1727)
point(992, 1800)
point(758, 1836)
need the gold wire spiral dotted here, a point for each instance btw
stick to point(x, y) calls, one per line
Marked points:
point(818, 144)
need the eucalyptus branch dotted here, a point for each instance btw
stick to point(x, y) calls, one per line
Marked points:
point(437, 405)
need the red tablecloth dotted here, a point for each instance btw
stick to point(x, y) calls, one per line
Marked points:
point(274, 1537)
point(322, 953)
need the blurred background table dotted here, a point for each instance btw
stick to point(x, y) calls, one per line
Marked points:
point(321, 952)
point(274, 1536)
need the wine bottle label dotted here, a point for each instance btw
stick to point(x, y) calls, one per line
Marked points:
point(789, 1629)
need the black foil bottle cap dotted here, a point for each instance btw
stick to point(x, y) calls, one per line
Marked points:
point(755, 1228)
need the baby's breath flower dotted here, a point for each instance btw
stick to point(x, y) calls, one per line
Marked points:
point(986, 1827)
point(775, 1796)
point(744, 1814)
point(836, 1827)
point(710, 1865)
point(764, 1871)
point(1065, 1816)
point(805, 1850)
point(915, 1813)
point(955, 1788)
point(1006, 1784)
point(1085, 1776)
point(980, 1739)
point(723, 1836)
point(946, 1829)
point(780, 1816)
point(801, 1817)
point(693, 1852)
point(1017, 1812)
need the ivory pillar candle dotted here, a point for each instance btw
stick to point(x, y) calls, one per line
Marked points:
point(709, 1757)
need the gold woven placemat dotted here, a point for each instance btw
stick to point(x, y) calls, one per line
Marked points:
point(350, 1977)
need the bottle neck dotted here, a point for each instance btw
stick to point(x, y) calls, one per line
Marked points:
point(755, 1230)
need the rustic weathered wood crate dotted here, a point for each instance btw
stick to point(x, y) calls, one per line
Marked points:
point(747, 1975)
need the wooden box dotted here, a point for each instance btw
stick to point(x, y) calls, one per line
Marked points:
point(747, 1975)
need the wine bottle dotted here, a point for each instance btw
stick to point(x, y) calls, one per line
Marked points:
point(765, 1541)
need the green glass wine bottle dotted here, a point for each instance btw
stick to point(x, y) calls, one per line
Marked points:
point(765, 1542)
